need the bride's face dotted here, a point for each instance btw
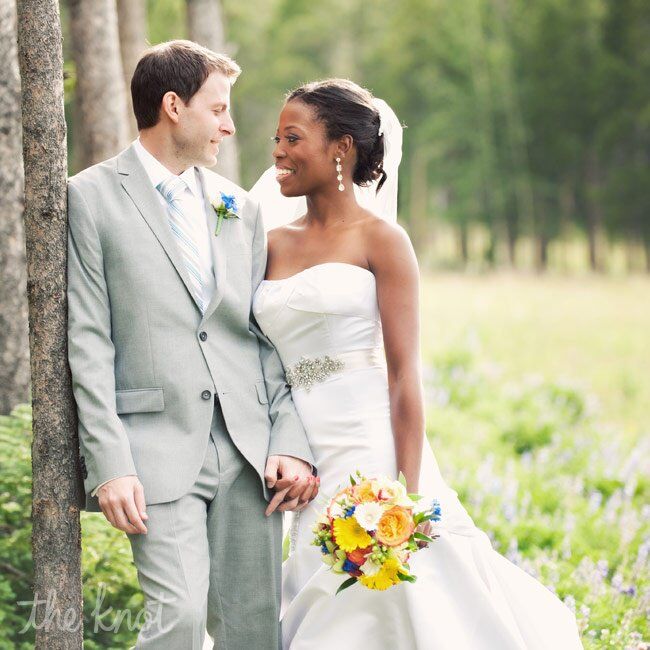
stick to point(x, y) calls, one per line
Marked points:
point(304, 158)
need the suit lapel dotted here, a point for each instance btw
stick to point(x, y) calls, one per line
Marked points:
point(137, 185)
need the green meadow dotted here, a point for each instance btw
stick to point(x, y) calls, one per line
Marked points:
point(538, 392)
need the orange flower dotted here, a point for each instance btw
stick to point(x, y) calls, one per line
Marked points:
point(395, 526)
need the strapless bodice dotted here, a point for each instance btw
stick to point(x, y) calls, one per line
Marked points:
point(326, 309)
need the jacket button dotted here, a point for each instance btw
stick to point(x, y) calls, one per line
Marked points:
point(203, 336)
point(206, 394)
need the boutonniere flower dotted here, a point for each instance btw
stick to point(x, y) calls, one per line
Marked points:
point(226, 208)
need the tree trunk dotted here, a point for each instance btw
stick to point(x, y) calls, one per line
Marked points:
point(206, 27)
point(463, 241)
point(542, 251)
point(14, 343)
point(593, 210)
point(511, 235)
point(132, 25)
point(100, 92)
point(56, 536)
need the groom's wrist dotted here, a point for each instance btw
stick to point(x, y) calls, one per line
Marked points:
point(94, 492)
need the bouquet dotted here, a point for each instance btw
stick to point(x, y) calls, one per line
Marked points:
point(369, 530)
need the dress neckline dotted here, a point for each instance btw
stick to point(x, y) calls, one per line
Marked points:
point(315, 266)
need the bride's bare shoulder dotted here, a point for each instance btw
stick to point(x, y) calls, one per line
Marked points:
point(388, 244)
point(380, 232)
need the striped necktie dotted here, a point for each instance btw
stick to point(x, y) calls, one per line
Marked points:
point(181, 226)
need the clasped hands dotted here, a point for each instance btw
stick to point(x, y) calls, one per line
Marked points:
point(292, 481)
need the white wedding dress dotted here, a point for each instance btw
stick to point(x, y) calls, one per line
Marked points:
point(467, 596)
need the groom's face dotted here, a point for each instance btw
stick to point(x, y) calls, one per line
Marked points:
point(204, 122)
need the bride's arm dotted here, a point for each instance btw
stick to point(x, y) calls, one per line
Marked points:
point(394, 264)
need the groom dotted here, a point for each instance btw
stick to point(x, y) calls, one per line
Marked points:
point(186, 423)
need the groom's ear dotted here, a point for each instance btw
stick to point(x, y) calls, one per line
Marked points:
point(170, 105)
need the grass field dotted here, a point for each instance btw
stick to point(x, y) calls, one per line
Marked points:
point(538, 392)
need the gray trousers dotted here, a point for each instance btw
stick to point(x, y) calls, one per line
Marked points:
point(212, 558)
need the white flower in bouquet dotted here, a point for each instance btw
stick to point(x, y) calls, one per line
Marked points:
point(368, 515)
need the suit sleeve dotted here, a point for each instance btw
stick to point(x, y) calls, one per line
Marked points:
point(91, 353)
point(288, 437)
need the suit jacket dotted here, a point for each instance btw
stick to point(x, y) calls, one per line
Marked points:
point(146, 365)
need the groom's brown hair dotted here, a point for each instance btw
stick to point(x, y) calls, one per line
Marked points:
point(179, 66)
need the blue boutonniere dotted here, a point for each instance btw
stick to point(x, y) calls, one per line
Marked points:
point(226, 208)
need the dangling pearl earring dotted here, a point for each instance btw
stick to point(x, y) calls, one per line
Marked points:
point(339, 176)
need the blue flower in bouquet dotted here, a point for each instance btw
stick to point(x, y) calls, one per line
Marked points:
point(349, 566)
point(349, 512)
point(436, 510)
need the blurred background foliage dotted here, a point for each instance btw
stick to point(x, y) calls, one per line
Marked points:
point(528, 123)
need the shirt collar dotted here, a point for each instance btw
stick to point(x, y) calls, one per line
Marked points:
point(157, 172)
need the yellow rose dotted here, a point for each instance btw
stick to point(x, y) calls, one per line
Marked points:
point(395, 526)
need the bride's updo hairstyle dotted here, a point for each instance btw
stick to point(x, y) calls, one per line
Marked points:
point(346, 108)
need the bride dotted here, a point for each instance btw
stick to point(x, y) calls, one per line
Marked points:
point(342, 281)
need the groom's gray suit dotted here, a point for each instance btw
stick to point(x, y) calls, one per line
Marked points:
point(191, 403)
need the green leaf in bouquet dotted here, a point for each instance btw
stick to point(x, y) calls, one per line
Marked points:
point(352, 481)
point(415, 497)
point(406, 577)
point(402, 479)
point(423, 537)
point(348, 583)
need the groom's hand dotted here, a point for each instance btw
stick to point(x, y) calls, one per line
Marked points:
point(292, 480)
point(122, 502)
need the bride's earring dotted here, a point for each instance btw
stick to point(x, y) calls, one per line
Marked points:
point(339, 176)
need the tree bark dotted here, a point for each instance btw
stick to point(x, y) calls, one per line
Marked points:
point(206, 26)
point(14, 342)
point(56, 537)
point(132, 25)
point(100, 92)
